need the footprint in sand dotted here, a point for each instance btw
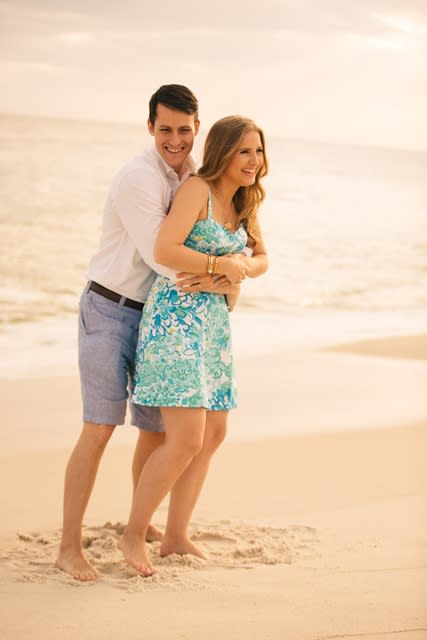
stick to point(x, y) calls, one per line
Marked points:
point(229, 544)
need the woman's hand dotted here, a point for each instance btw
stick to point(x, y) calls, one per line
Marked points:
point(232, 266)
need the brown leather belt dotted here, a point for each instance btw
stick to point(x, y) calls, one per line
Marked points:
point(115, 297)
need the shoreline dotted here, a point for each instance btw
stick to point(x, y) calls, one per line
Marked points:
point(49, 347)
point(406, 347)
point(348, 386)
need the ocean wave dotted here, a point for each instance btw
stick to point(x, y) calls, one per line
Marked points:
point(344, 226)
point(351, 300)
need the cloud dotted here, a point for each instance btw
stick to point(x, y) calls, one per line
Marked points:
point(75, 37)
point(169, 15)
point(296, 66)
point(404, 25)
point(13, 67)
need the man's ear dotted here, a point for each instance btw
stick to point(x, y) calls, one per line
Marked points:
point(150, 127)
point(196, 127)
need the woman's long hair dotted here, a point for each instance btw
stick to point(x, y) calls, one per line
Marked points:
point(222, 142)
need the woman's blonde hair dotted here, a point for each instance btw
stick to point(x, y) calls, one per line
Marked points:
point(222, 142)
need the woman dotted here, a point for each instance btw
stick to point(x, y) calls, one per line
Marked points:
point(184, 363)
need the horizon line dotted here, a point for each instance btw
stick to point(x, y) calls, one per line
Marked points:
point(142, 124)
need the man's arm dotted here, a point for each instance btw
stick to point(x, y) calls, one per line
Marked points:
point(191, 282)
point(142, 211)
point(210, 284)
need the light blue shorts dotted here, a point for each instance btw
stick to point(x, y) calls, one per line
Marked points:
point(108, 335)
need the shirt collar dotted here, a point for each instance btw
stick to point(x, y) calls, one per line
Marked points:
point(190, 166)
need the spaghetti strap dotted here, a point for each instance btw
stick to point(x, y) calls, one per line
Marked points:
point(209, 204)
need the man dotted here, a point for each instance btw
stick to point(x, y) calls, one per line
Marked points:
point(119, 278)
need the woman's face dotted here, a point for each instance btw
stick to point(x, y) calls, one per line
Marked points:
point(247, 160)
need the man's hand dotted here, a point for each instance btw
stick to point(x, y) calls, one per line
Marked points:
point(215, 283)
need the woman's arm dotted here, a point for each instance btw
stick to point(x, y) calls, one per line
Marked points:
point(257, 263)
point(170, 251)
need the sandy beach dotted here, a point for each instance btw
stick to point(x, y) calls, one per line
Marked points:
point(314, 514)
point(313, 517)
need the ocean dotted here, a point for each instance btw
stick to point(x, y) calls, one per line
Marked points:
point(345, 227)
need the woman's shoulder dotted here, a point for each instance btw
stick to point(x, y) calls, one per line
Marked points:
point(197, 183)
point(195, 188)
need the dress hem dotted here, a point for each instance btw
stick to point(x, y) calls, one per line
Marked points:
point(185, 406)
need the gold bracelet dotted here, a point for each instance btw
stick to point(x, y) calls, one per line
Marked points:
point(211, 264)
point(210, 261)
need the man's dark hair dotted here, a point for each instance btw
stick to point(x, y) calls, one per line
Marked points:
point(173, 96)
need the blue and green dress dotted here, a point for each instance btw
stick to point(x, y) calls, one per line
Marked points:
point(184, 356)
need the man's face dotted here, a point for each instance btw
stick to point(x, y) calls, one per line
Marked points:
point(173, 133)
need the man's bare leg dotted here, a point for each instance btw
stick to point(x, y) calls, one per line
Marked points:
point(79, 480)
point(147, 442)
point(187, 488)
point(184, 440)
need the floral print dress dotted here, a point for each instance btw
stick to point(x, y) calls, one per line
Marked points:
point(184, 354)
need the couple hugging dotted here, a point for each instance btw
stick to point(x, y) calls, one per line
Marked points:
point(154, 324)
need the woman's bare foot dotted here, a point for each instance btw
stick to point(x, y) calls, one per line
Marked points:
point(136, 555)
point(181, 546)
point(153, 534)
point(76, 565)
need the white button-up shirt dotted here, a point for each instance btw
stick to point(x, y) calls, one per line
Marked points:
point(139, 199)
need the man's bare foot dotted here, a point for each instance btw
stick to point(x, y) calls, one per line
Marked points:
point(76, 565)
point(181, 546)
point(136, 555)
point(153, 534)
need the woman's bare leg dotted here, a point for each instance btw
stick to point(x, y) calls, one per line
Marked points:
point(184, 439)
point(187, 488)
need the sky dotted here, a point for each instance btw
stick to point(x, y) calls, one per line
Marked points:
point(339, 70)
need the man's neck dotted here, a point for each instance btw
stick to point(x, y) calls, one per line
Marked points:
point(180, 172)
